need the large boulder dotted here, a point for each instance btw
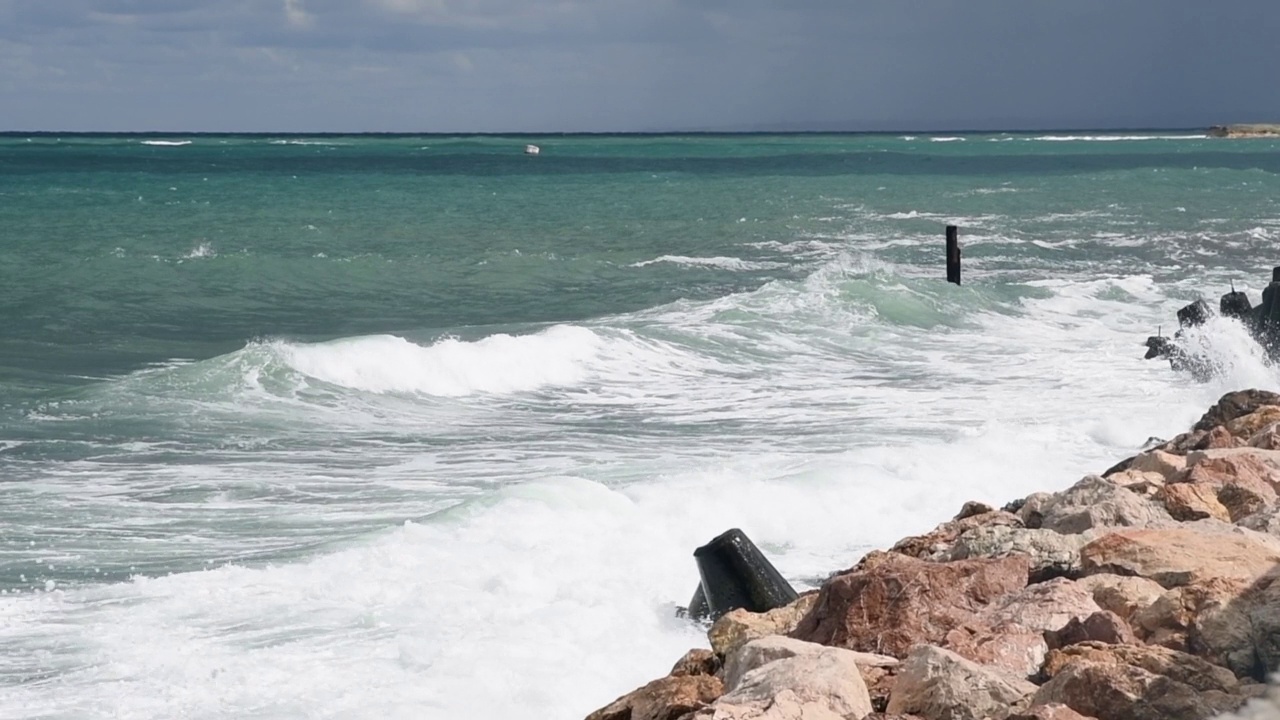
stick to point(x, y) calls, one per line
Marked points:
point(666, 698)
point(1247, 426)
point(1120, 594)
point(1095, 502)
point(1114, 691)
point(937, 684)
point(1055, 711)
point(1103, 626)
point(1052, 554)
point(1250, 467)
point(1240, 630)
point(1163, 463)
point(937, 544)
point(1192, 501)
point(818, 683)
point(890, 602)
point(737, 627)
point(1197, 673)
point(1234, 405)
point(698, 661)
point(765, 650)
point(1177, 556)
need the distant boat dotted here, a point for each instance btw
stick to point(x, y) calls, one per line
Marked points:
point(532, 149)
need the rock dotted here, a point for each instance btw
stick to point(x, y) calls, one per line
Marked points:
point(879, 681)
point(1043, 606)
point(737, 627)
point(1009, 634)
point(1176, 556)
point(972, 508)
point(1122, 595)
point(1242, 502)
point(1189, 670)
point(1052, 554)
point(1219, 437)
point(1055, 711)
point(890, 602)
point(1186, 442)
point(1102, 626)
point(1158, 461)
point(1009, 648)
point(696, 662)
point(937, 544)
point(1265, 521)
point(939, 685)
point(666, 698)
point(891, 716)
point(1095, 503)
point(1234, 405)
point(1142, 483)
point(824, 680)
point(1031, 510)
point(1192, 501)
point(776, 647)
point(1246, 426)
point(786, 705)
point(1172, 618)
point(1122, 692)
point(1239, 629)
point(1268, 438)
point(1249, 467)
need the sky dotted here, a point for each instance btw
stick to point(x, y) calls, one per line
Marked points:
point(634, 65)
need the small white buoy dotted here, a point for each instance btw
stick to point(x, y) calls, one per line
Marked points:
point(532, 149)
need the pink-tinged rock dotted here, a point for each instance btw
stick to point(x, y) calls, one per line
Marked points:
point(1191, 501)
point(814, 683)
point(1122, 595)
point(740, 626)
point(939, 685)
point(1043, 606)
point(1160, 462)
point(1249, 466)
point(1268, 438)
point(1011, 649)
point(1103, 626)
point(666, 698)
point(1218, 438)
point(890, 602)
point(1195, 672)
point(1176, 556)
point(1236, 404)
point(1246, 426)
point(1109, 691)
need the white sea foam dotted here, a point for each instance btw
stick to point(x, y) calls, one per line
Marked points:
point(167, 143)
point(947, 139)
point(824, 417)
point(724, 263)
point(203, 250)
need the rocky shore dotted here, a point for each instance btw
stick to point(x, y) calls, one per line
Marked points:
point(1145, 593)
point(1245, 131)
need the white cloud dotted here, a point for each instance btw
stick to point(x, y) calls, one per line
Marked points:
point(297, 15)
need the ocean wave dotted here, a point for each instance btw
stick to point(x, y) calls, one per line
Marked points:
point(724, 263)
point(166, 143)
point(948, 138)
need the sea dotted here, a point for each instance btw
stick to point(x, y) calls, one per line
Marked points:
point(391, 426)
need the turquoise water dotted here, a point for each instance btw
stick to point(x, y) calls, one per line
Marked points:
point(367, 426)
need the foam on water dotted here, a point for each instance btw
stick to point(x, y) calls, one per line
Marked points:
point(166, 143)
point(823, 416)
point(724, 263)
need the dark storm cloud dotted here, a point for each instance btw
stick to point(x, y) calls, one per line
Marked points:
point(493, 65)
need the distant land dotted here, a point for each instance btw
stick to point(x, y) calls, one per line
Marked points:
point(1257, 130)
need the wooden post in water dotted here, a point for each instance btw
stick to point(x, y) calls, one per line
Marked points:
point(953, 254)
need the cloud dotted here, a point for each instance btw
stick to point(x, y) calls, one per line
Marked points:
point(296, 15)
point(630, 64)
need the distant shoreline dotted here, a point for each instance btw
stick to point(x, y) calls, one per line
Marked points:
point(637, 133)
point(1256, 130)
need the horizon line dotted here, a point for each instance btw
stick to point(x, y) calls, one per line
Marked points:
point(568, 133)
